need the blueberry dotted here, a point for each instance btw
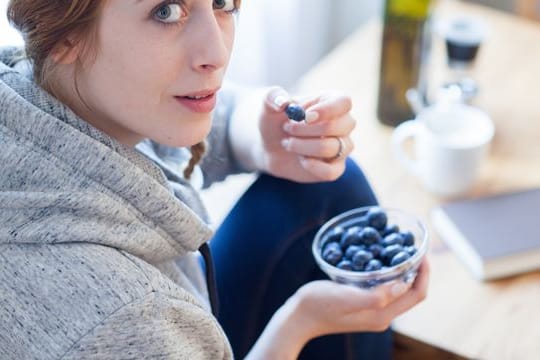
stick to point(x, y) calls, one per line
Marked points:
point(408, 238)
point(332, 254)
point(295, 112)
point(369, 236)
point(345, 265)
point(373, 265)
point(333, 235)
point(377, 218)
point(351, 250)
point(360, 259)
point(389, 229)
point(329, 245)
point(389, 252)
point(399, 258)
point(376, 250)
point(351, 237)
point(410, 249)
point(392, 239)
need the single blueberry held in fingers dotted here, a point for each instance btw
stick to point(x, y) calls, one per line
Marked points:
point(295, 112)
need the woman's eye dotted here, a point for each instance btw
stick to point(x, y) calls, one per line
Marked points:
point(168, 13)
point(225, 5)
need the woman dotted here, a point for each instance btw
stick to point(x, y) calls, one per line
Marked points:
point(101, 145)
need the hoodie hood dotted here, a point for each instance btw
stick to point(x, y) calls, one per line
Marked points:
point(64, 181)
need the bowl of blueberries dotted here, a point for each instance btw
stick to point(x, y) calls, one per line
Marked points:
point(371, 245)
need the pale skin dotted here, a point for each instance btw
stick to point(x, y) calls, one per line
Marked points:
point(150, 54)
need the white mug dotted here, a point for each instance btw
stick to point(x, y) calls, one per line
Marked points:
point(451, 142)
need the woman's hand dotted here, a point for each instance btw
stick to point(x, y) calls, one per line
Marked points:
point(264, 139)
point(310, 151)
point(327, 307)
point(324, 307)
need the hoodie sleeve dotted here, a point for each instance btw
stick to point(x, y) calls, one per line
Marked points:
point(156, 326)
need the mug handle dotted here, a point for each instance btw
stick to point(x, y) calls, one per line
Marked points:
point(402, 132)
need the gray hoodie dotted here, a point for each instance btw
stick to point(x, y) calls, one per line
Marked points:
point(98, 244)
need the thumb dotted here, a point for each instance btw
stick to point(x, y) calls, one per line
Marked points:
point(276, 99)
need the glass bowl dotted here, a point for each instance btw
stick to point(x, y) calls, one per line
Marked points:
point(406, 270)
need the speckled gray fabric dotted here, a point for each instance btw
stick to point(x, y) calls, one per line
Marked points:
point(97, 255)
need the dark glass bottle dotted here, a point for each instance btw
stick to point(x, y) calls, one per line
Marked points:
point(405, 47)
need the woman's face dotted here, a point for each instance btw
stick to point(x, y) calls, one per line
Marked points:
point(157, 69)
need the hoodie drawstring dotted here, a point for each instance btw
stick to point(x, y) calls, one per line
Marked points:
point(210, 278)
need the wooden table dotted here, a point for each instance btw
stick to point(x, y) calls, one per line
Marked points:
point(492, 320)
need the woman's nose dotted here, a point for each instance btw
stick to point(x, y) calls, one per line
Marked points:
point(211, 44)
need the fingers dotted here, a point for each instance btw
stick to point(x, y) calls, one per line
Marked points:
point(383, 295)
point(416, 294)
point(346, 308)
point(327, 107)
point(387, 302)
point(351, 299)
point(332, 107)
point(394, 298)
point(327, 148)
point(277, 99)
point(341, 126)
point(422, 280)
point(323, 170)
point(324, 158)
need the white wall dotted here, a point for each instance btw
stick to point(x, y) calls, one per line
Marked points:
point(278, 40)
point(8, 35)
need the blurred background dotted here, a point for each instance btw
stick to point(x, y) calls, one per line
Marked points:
point(279, 40)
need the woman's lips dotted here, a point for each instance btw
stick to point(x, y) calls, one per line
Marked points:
point(198, 104)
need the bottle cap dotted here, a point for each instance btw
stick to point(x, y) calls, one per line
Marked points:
point(463, 36)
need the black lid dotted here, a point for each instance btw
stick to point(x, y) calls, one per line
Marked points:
point(461, 52)
point(463, 39)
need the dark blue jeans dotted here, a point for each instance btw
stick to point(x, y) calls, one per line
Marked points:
point(262, 254)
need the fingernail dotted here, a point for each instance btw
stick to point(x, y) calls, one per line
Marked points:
point(311, 116)
point(286, 143)
point(287, 127)
point(304, 162)
point(280, 101)
point(399, 289)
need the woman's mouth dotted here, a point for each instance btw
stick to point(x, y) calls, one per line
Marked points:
point(200, 103)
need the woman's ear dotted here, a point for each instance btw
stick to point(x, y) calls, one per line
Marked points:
point(66, 52)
